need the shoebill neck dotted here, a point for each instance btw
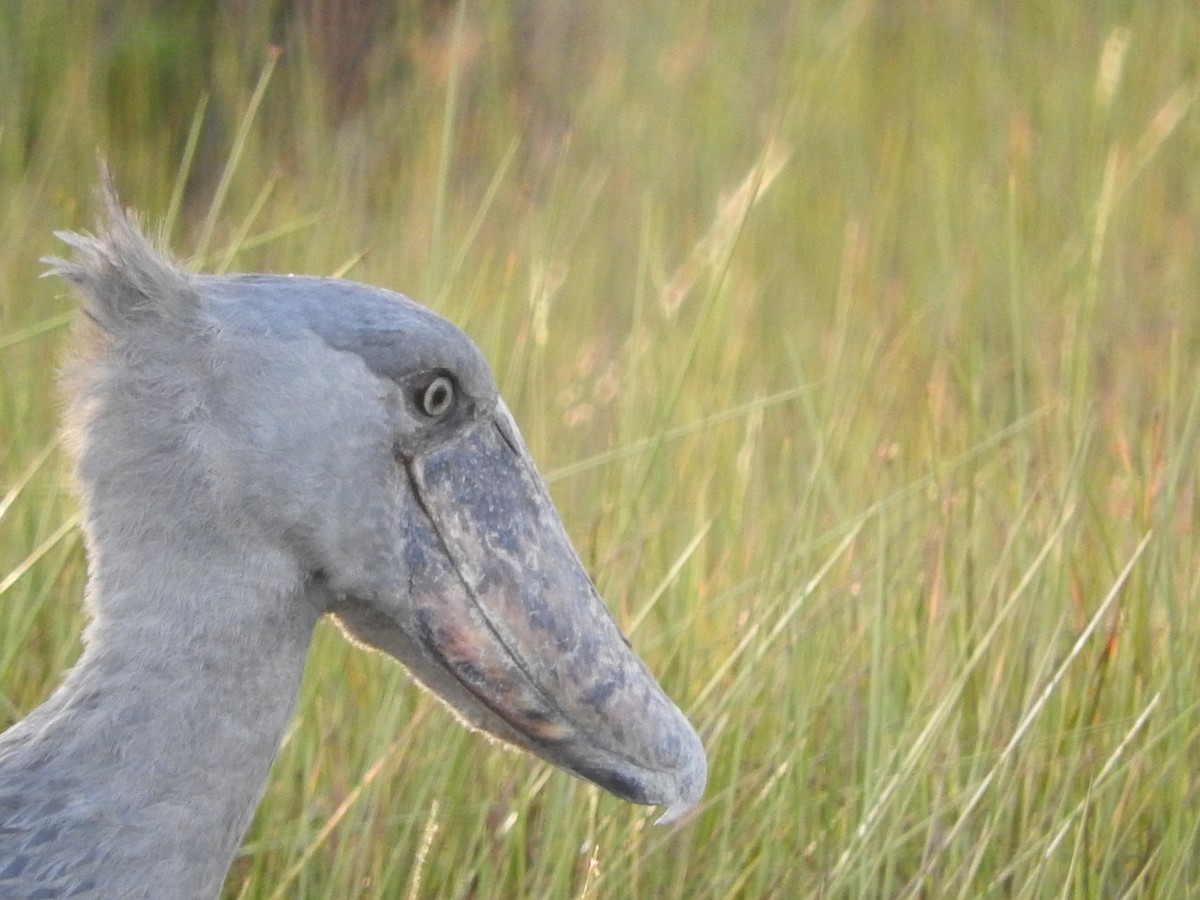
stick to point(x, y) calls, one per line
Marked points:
point(176, 709)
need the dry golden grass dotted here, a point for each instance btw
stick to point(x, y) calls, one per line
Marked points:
point(860, 341)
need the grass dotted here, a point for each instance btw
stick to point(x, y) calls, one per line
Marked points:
point(860, 345)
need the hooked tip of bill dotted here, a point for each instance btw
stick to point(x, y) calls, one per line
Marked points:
point(691, 781)
point(676, 812)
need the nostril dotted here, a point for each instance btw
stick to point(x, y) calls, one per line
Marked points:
point(510, 439)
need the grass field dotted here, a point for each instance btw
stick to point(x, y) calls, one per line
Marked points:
point(860, 342)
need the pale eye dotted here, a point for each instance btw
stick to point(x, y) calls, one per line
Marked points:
point(438, 397)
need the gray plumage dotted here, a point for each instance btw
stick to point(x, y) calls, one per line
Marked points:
point(254, 452)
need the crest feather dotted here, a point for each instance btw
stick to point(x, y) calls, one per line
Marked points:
point(124, 281)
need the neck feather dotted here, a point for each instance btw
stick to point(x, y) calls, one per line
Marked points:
point(142, 772)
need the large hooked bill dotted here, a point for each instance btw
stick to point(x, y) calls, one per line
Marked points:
point(503, 606)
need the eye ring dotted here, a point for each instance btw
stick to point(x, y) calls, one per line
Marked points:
point(438, 397)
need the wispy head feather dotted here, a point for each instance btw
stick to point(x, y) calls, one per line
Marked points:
point(125, 283)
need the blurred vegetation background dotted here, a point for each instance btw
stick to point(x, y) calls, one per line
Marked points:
point(859, 340)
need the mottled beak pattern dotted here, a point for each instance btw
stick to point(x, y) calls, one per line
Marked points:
point(516, 621)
